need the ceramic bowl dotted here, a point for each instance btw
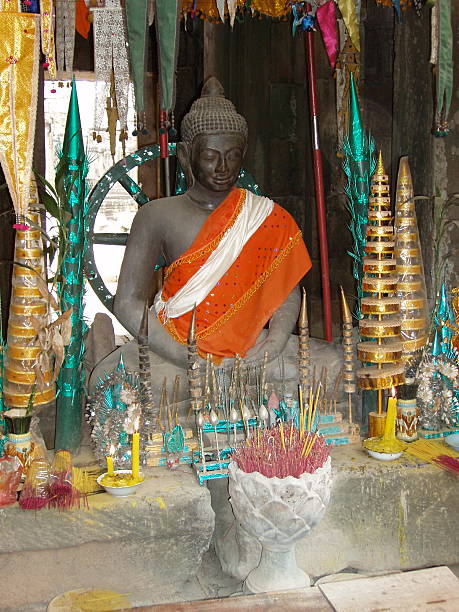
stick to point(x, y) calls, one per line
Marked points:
point(384, 456)
point(120, 491)
point(453, 441)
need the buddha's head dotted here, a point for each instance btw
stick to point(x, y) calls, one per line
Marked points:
point(214, 140)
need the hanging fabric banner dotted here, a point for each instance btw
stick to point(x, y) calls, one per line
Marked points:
point(348, 11)
point(82, 25)
point(110, 60)
point(47, 35)
point(326, 18)
point(167, 31)
point(444, 68)
point(19, 62)
point(214, 10)
point(10, 6)
point(65, 34)
point(232, 8)
point(136, 18)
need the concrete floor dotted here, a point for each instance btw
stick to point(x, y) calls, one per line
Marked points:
point(210, 583)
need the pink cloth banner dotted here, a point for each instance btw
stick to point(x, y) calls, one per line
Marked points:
point(326, 18)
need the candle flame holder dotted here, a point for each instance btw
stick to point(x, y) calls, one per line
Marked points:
point(120, 490)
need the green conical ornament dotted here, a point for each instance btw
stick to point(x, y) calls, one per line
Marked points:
point(359, 166)
point(445, 314)
point(71, 188)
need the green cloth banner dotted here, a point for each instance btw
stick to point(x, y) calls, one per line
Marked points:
point(445, 58)
point(167, 31)
point(136, 17)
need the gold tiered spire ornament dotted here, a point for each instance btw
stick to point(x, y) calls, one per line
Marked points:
point(411, 287)
point(194, 374)
point(380, 326)
point(150, 413)
point(304, 354)
point(348, 353)
point(29, 310)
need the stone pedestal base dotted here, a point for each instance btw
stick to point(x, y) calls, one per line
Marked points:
point(278, 571)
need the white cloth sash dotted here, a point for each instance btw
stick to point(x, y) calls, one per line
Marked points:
point(253, 213)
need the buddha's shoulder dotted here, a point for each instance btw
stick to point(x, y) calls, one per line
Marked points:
point(157, 209)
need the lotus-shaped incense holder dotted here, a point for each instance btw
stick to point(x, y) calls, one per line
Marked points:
point(278, 512)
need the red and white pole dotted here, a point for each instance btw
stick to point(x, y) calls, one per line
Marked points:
point(319, 185)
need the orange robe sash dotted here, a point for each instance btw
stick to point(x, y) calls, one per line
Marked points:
point(270, 265)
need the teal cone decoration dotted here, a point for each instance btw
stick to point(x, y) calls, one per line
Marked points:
point(444, 314)
point(71, 188)
point(359, 166)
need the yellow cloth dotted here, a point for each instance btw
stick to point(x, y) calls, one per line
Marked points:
point(47, 35)
point(10, 6)
point(208, 8)
point(19, 61)
point(347, 8)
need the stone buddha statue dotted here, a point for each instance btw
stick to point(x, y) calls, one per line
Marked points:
point(237, 257)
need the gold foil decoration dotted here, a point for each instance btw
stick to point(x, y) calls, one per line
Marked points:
point(27, 311)
point(19, 62)
point(411, 289)
point(380, 306)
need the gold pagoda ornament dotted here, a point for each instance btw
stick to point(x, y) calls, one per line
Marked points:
point(381, 348)
point(28, 310)
point(411, 286)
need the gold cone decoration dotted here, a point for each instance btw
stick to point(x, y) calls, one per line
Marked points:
point(304, 354)
point(411, 287)
point(380, 326)
point(29, 310)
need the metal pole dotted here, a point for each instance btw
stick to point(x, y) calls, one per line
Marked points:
point(319, 186)
point(164, 149)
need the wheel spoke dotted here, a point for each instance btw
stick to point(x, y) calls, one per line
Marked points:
point(133, 189)
point(113, 239)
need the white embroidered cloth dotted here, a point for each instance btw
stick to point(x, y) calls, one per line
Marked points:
point(253, 213)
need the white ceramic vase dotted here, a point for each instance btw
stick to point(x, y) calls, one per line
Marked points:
point(278, 512)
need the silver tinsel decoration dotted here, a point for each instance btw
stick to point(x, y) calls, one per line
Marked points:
point(113, 410)
point(438, 391)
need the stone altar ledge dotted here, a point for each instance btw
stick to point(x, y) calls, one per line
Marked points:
point(154, 538)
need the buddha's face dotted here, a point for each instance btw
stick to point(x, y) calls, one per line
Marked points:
point(216, 160)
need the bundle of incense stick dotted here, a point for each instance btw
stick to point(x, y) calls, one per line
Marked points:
point(435, 452)
point(308, 414)
point(282, 451)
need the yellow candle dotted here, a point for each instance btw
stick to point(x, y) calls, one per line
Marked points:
point(135, 464)
point(110, 469)
point(389, 429)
